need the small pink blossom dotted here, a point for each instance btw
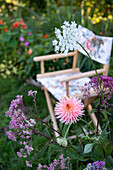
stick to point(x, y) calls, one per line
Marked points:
point(69, 109)
point(29, 33)
point(88, 45)
point(32, 93)
point(28, 164)
point(21, 39)
point(26, 44)
point(30, 51)
point(19, 154)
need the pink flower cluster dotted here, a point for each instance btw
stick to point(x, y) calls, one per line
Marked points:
point(20, 126)
point(61, 163)
point(107, 88)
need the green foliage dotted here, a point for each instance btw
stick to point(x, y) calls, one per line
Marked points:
point(42, 18)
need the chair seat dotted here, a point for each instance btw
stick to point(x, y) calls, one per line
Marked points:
point(58, 90)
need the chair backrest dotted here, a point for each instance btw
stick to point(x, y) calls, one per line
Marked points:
point(99, 47)
point(57, 56)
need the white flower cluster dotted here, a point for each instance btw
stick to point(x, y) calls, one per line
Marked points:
point(67, 38)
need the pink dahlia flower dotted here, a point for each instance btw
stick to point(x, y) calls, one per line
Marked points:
point(69, 109)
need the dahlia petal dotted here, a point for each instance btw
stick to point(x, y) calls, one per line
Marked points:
point(69, 109)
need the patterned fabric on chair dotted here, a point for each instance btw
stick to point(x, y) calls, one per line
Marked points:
point(98, 47)
point(58, 89)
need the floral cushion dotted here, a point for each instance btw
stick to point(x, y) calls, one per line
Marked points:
point(58, 90)
point(98, 47)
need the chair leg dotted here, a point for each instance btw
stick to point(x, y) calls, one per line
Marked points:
point(93, 117)
point(51, 111)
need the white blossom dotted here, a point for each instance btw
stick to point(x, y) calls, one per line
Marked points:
point(55, 42)
point(67, 37)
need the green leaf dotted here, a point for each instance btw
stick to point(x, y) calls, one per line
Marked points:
point(5, 37)
point(85, 131)
point(74, 155)
point(92, 111)
point(104, 113)
point(88, 148)
point(109, 161)
point(13, 43)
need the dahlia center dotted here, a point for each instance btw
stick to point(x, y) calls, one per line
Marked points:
point(68, 106)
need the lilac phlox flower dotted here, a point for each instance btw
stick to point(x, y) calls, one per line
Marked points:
point(22, 39)
point(20, 126)
point(19, 154)
point(26, 44)
point(14, 105)
point(11, 135)
point(39, 167)
point(61, 163)
point(102, 163)
point(32, 93)
point(29, 149)
point(96, 165)
point(106, 85)
point(29, 33)
point(28, 164)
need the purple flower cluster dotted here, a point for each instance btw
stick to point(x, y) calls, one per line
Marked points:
point(32, 93)
point(26, 43)
point(106, 84)
point(61, 163)
point(96, 166)
point(20, 126)
point(22, 39)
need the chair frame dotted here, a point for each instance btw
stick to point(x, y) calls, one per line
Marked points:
point(41, 59)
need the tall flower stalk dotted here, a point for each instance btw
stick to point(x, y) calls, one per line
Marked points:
point(68, 39)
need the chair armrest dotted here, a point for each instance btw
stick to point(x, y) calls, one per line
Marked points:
point(81, 75)
point(53, 56)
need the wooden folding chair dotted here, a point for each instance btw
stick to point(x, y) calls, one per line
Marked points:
point(59, 83)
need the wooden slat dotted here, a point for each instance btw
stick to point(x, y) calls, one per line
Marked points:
point(67, 89)
point(81, 75)
point(106, 67)
point(93, 118)
point(52, 56)
point(81, 95)
point(42, 67)
point(55, 73)
point(51, 111)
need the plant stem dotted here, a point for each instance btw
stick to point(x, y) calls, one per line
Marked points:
point(97, 77)
point(35, 106)
point(98, 111)
point(81, 128)
point(42, 134)
point(49, 126)
point(106, 116)
point(87, 126)
point(67, 130)
point(39, 120)
point(41, 150)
